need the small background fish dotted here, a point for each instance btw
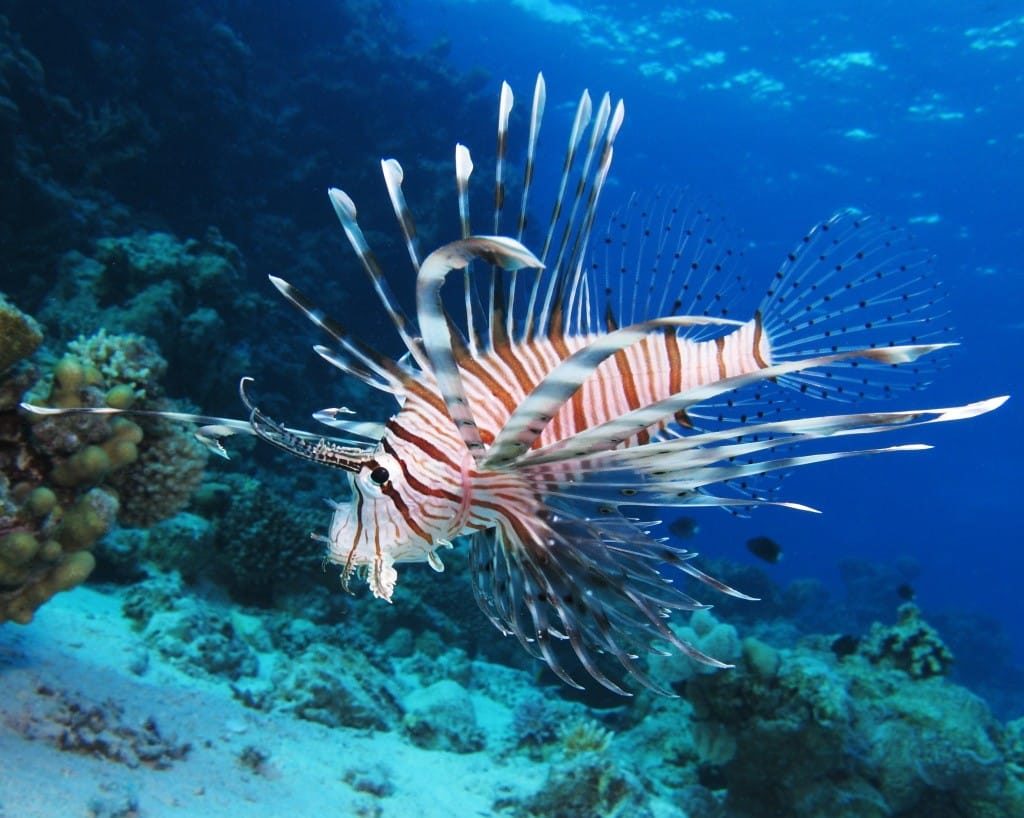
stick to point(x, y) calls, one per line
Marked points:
point(765, 548)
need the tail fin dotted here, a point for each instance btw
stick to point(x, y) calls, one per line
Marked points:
point(854, 282)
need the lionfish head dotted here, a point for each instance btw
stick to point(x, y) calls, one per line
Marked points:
point(373, 530)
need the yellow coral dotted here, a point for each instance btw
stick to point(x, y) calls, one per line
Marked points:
point(19, 334)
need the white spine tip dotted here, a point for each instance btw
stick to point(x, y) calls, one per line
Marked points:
point(392, 170)
point(342, 202)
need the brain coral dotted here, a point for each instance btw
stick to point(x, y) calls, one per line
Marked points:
point(160, 482)
point(262, 543)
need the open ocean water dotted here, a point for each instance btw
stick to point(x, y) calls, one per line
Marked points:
point(170, 641)
point(783, 113)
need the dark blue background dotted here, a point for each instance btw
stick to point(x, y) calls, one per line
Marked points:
point(941, 101)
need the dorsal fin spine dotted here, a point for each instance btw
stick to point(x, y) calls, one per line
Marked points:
point(345, 209)
point(495, 309)
point(463, 170)
point(393, 176)
point(536, 117)
point(583, 113)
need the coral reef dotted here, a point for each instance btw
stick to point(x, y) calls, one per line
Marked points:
point(100, 729)
point(793, 731)
point(173, 292)
point(911, 645)
point(20, 334)
point(817, 736)
point(65, 480)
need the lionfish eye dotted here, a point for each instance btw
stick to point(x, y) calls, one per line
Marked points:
point(379, 475)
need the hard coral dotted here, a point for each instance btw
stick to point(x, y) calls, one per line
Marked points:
point(20, 335)
point(57, 490)
point(851, 739)
point(911, 645)
point(159, 483)
point(122, 360)
point(262, 543)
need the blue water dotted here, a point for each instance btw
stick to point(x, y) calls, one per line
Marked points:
point(784, 113)
point(780, 114)
point(159, 160)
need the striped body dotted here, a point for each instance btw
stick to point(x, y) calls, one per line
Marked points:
point(653, 369)
point(438, 493)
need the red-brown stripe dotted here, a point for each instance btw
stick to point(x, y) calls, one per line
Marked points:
point(472, 365)
point(720, 356)
point(356, 537)
point(505, 353)
point(428, 448)
point(758, 331)
point(392, 493)
point(675, 364)
point(416, 484)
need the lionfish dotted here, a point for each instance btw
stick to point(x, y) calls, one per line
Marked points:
point(539, 408)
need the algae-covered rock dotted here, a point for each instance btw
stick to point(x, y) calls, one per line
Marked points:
point(201, 640)
point(20, 334)
point(339, 688)
point(589, 784)
point(911, 645)
point(442, 717)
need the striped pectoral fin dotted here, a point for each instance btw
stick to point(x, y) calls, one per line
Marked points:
point(534, 413)
point(610, 434)
point(574, 583)
point(685, 480)
point(677, 473)
point(503, 252)
point(743, 441)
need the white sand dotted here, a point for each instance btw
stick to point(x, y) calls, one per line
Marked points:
point(81, 646)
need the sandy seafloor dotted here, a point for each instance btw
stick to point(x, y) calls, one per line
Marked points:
point(81, 648)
